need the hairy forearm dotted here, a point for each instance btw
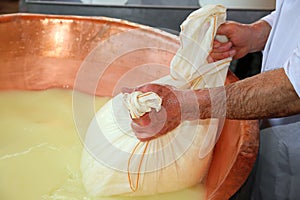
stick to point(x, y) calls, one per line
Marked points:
point(266, 95)
point(260, 31)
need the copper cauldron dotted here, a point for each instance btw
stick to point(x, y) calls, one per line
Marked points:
point(41, 51)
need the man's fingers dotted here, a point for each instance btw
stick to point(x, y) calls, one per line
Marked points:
point(225, 29)
point(149, 126)
point(219, 56)
point(143, 121)
point(210, 59)
point(143, 133)
point(216, 44)
point(140, 132)
point(221, 47)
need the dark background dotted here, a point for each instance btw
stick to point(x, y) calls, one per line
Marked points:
point(9, 6)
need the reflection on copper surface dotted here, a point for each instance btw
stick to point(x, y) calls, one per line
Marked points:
point(59, 35)
point(42, 51)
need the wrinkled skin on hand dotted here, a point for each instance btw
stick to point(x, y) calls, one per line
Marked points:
point(243, 39)
point(155, 124)
point(239, 43)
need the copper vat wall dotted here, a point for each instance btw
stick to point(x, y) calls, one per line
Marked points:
point(41, 51)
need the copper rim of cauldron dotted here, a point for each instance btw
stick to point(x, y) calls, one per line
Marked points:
point(234, 153)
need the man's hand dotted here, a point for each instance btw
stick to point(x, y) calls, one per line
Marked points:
point(243, 39)
point(154, 124)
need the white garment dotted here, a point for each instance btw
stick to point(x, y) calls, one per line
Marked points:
point(277, 172)
point(283, 46)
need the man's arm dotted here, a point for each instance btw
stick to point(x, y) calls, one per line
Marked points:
point(266, 95)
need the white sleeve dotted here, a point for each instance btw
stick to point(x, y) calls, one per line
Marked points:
point(270, 18)
point(292, 69)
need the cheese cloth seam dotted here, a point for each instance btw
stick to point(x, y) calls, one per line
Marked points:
point(196, 81)
point(136, 187)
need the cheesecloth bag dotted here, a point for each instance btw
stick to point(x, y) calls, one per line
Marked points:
point(119, 164)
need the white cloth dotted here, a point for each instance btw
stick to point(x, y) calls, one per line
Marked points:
point(117, 163)
point(139, 103)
